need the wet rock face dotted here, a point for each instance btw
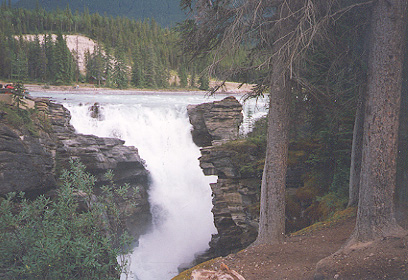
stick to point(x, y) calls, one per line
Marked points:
point(98, 154)
point(215, 122)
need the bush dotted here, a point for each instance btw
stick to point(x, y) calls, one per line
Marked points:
point(75, 235)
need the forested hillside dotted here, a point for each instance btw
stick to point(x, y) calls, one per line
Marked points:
point(129, 52)
point(165, 12)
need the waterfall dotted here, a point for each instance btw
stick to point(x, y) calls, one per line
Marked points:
point(180, 195)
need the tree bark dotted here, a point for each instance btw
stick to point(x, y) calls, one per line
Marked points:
point(402, 161)
point(356, 153)
point(273, 187)
point(375, 217)
point(272, 209)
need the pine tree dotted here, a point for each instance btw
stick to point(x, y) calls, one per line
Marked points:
point(19, 65)
point(204, 82)
point(63, 61)
point(150, 69)
point(108, 68)
point(49, 54)
point(137, 70)
point(120, 71)
point(193, 77)
point(182, 73)
point(35, 59)
point(98, 64)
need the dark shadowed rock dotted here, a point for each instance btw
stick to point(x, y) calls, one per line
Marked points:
point(25, 163)
point(217, 161)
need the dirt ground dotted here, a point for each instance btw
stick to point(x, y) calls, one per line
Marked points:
point(296, 259)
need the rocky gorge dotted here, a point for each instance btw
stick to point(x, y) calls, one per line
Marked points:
point(32, 159)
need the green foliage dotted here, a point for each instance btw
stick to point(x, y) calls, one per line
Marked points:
point(331, 203)
point(204, 82)
point(182, 73)
point(76, 235)
point(63, 62)
point(120, 72)
point(95, 64)
point(16, 118)
point(320, 157)
point(18, 95)
point(138, 69)
point(248, 156)
point(336, 218)
point(118, 38)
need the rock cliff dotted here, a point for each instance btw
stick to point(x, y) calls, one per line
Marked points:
point(235, 197)
point(32, 162)
point(25, 165)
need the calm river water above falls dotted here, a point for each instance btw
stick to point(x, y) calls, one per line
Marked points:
point(157, 124)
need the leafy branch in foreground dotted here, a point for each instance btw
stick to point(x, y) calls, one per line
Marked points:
point(76, 235)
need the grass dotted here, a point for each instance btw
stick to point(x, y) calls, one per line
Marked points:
point(336, 218)
point(185, 275)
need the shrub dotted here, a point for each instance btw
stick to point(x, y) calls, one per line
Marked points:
point(75, 235)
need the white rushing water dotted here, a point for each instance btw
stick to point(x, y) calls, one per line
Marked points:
point(180, 195)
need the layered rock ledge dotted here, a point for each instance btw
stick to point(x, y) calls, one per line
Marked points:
point(216, 122)
point(235, 197)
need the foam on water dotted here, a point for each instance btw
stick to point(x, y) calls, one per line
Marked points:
point(180, 195)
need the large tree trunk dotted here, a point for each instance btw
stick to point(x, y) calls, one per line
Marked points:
point(356, 153)
point(375, 217)
point(402, 161)
point(273, 188)
point(272, 210)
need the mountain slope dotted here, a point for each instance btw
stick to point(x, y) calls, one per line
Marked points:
point(165, 12)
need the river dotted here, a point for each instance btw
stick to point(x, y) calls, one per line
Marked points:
point(180, 196)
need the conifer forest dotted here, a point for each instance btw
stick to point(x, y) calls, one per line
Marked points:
point(129, 52)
